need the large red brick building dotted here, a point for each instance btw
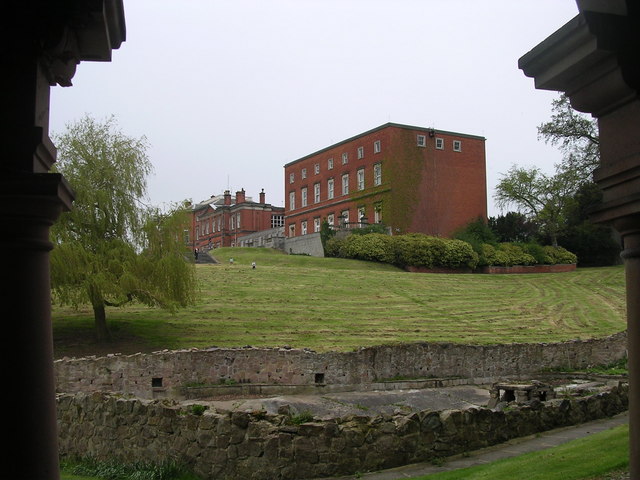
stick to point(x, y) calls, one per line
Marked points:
point(412, 179)
point(223, 219)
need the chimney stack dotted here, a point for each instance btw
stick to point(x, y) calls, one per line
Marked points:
point(262, 196)
point(240, 196)
point(227, 197)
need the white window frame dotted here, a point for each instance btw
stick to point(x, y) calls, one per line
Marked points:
point(330, 164)
point(439, 143)
point(345, 184)
point(331, 219)
point(292, 200)
point(292, 177)
point(457, 145)
point(316, 224)
point(238, 216)
point(330, 188)
point(421, 140)
point(362, 212)
point(316, 168)
point(303, 197)
point(345, 158)
point(345, 216)
point(360, 178)
point(303, 227)
point(377, 174)
point(292, 230)
point(360, 152)
point(377, 213)
point(303, 174)
point(316, 193)
point(377, 147)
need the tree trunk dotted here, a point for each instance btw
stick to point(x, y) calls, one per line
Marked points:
point(102, 332)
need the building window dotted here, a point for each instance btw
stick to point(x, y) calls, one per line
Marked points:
point(376, 146)
point(360, 152)
point(292, 200)
point(292, 177)
point(440, 143)
point(331, 219)
point(377, 213)
point(316, 193)
point(303, 227)
point(361, 215)
point(330, 164)
point(345, 184)
point(303, 197)
point(422, 140)
point(345, 217)
point(316, 168)
point(277, 221)
point(330, 188)
point(238, 220)
point(345, 158)
point(304, 173)
point(292, 230)
point(457, 146)
point(316, 224)
point(360, 178)
point(377, 174)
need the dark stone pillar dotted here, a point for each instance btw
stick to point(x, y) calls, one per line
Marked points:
point(595, 60)
point(44, 41)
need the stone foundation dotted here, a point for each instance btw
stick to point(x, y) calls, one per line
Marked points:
point(167, 373)
point(261, 446)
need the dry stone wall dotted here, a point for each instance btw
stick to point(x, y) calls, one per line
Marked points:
point(165, 373)
point(260, 446)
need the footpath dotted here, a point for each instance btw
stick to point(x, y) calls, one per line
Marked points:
point(512, 448)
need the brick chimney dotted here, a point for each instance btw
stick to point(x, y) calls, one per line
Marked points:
point(262, 196)
point(227, 197)
point(240, 196)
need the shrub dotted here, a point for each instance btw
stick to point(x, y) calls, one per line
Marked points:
point(374, 247)
point(516, 254)
point(459, 254)
point(418, 250)
point(560, 255)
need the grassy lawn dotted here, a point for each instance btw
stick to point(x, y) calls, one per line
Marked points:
point(336, 304)
point(592, 457)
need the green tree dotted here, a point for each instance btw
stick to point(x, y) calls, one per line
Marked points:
point(576, 135)
point(111, 249)
point(541, 198)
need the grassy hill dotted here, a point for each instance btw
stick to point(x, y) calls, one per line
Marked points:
point(336, 304)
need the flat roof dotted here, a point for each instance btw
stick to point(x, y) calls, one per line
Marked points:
point(382, 127)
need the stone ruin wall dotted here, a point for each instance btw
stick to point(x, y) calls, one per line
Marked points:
point(261, 446)
point(164, 373)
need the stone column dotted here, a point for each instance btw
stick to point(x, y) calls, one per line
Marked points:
point(44, 41)
point(595, 60)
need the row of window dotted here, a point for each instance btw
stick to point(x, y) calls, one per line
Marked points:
point(234, 223)
point(331, 187)
point(421, 141)
point(345, 159)
point(343, 220)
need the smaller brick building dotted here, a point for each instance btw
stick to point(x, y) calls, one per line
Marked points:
point(223, 219)
point(412, 179)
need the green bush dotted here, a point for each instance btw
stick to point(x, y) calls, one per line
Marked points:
point(374, 247)
point(516, 254)
point(459, 254)
point(418, 250)
point(560, 255)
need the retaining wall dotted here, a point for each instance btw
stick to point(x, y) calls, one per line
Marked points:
point(166, 373)
point(259, 446)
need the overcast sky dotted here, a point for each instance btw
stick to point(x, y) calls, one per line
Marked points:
point(229, 91)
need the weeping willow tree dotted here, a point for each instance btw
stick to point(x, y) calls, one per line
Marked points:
point(111, 249)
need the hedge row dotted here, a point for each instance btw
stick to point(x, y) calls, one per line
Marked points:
point(419, 250)
point(413, 249)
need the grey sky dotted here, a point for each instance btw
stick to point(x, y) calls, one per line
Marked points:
point(228, 91)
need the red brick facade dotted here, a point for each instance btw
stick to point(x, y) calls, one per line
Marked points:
point(223, 219)
point(412, 179)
